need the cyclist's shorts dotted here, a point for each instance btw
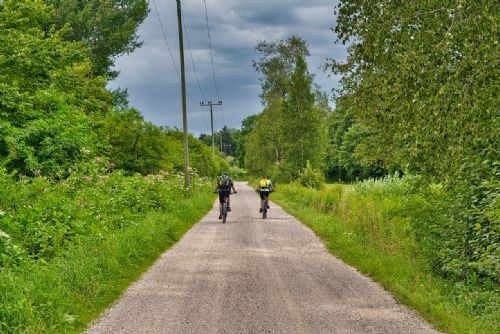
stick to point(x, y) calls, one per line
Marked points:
point(223, 194)
point(264, 194)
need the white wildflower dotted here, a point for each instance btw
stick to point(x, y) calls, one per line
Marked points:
point(4, 235)
point(85, 150)
point(2, 213)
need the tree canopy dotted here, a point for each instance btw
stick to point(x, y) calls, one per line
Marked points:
point(107, 27)
point(48, 94)
point(422, 77)
point(290, 131)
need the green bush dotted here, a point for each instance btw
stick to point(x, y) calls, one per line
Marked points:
point(43, 217)
point(237, 173)
point(311, 178)
point(433, 111)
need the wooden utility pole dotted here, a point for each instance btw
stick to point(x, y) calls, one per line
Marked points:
point(187, 180)
point(210, 104)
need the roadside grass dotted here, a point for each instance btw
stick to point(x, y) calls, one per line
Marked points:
point(374, 226)
point(66, 292)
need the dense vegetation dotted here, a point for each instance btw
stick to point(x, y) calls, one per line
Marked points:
point(89, 191)
point(70, 247)
point(386, 229)
point(422, 79)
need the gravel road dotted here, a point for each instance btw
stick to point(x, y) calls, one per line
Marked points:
point(254, 276)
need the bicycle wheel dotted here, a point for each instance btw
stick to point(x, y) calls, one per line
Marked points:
point(224, 212)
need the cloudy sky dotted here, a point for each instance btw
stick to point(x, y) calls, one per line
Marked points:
point(235, 27)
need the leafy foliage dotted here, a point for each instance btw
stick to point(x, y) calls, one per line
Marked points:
point(43, 217)
point(423, 77)
point(302, 124)
point(264, 143)
point(345, 159)
point(311, 178)
point(227, 137)
point(290, 130)
point(387, 229)
point(135, 145)
point(48, 96)
point(247, 126)
point(138, 146)
point(108, 28)
point(277, 62)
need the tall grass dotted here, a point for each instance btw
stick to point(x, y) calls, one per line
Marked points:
point(383, 228)
point(94, 235)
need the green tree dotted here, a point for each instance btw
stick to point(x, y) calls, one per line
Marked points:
point(264, 143)
point(228, 137)
point(247, 126)
point(345, 157)
point(302, 124)
point(290, 130)
point(136, 146)
point(107, 27)
point(423, 76)
point(200, 155)
point(229, 141)
point(276, 64)
point(48, 94)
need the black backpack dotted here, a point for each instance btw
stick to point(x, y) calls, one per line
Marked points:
point(224, 182)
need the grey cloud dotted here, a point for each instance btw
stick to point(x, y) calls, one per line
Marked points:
point(236, 26)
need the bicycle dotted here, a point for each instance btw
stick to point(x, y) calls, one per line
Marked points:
point(265, 205)
point(223, 211)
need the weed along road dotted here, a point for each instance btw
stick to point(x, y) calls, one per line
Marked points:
point(254, 276)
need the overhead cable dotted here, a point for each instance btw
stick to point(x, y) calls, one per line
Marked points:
point(212, 59)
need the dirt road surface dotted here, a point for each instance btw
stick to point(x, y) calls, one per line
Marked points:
point(254, 276)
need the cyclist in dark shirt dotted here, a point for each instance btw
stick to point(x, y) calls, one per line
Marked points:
point(224, 186)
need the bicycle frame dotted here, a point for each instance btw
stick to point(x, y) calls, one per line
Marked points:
point(224, 209)
point(264, 207)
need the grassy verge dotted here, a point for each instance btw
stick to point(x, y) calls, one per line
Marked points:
point(374, 226)
point(63, 296)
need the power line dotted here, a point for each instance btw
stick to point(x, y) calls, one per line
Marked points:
point(173, 61)
point(195, 71)
point(212, 59)
point(165, 38)
point(192, 59)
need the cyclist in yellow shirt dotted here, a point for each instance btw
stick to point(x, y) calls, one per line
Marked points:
point(264, 189)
